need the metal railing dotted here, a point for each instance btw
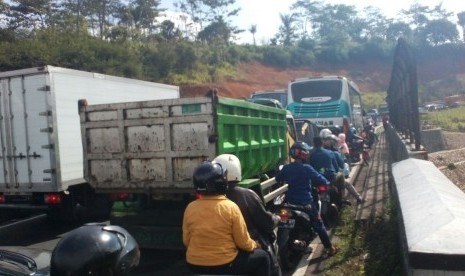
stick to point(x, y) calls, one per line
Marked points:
point(402, 94)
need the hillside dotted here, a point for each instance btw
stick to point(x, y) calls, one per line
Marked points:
point(255, 76)
point(370, 77)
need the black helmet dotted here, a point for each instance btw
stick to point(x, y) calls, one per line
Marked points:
point(210, 178)
point(300, 150)
point(95, 250)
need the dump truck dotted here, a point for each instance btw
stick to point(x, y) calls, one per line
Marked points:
point(144, 154)
point(40, 135)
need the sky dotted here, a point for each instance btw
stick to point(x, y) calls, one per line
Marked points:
point(265, 13)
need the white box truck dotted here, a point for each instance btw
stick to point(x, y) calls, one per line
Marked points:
point(40, 135)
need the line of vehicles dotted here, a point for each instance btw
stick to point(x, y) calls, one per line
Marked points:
point(80, 145)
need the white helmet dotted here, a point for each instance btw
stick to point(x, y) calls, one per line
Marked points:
point(232, 164)
point(325, 133)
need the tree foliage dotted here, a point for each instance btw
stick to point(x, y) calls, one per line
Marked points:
point(131, 38)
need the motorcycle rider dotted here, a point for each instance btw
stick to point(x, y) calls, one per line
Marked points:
point(330, 142)
point(299, 176)
point(324, 161)
point(343, 147)
point(369, 133)
point(355, 142)
point(261, 223)
point(214, 230)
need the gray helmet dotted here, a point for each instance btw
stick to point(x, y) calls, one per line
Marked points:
point(95, 250)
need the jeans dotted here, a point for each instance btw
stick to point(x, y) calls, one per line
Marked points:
point(318, 226)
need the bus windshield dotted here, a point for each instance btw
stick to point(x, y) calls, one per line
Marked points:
point(316, 91)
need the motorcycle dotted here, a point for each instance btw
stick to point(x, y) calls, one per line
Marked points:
point(359, 151)
point(329, 202)
point(269, 243)
point(295, 233)
point(370, 136)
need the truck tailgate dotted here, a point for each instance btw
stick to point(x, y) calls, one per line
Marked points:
point(146, 145)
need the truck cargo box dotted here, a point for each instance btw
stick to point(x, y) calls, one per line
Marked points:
point(41, 148)
point(155, 145)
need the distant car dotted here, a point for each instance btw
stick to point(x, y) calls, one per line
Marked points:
point(372, 112)
point(422, 110)
point(267, 102)
point(434, 107)
point(383, 111)
point(280, 95)
point(453, 105)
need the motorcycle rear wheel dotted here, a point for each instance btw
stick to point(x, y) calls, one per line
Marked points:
point(289, 258)
point(331, 217)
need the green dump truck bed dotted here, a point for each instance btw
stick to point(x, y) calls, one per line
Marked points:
point(155, 145)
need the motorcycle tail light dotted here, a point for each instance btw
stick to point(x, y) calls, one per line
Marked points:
point(322, 188)
point(2, 198)
point(284, 214)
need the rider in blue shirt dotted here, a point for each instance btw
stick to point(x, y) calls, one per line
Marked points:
point(323, 160)
point(299, 176)
point(328, 142)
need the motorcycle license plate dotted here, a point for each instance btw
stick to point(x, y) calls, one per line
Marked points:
point(290, 223)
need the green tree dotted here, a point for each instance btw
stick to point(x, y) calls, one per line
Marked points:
point(73, 13)
point(168, 31)
point(395, 30)
point(206, 12)
point(216, 32)
point(428, 23)
point(461, 22)
point(374, 26)
point(144, 13)
point(31, 14)
point(101, 14)
point(440, 31)
point(287, 34)
point(253, 31)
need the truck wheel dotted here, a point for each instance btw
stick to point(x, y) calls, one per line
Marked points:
point(101, 206)
point(69, 212)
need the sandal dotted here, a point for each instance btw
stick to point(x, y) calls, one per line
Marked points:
point(329, 252)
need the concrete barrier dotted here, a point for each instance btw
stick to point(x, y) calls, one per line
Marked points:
point(399, 147)
point(432, 211)
point(433, 140)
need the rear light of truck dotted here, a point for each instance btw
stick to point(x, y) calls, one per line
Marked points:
point(120, 196)
point(2, 198)
point(52, 199)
